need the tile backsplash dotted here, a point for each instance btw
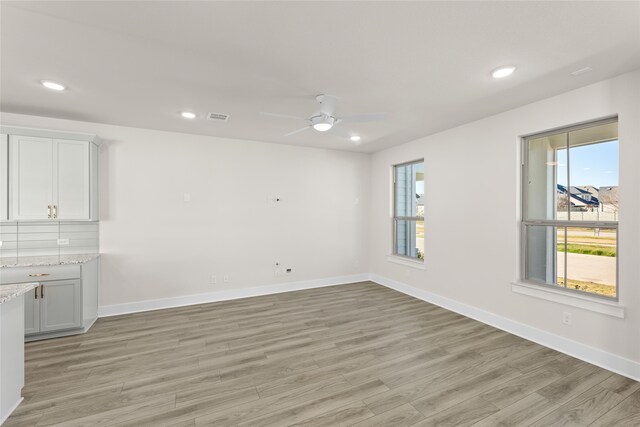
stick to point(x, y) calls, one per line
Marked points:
point(46, 238)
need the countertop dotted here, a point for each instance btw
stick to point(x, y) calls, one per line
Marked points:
point(39, 261)
point(9, 292)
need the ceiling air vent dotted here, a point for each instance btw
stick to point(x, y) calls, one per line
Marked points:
point(218, 116)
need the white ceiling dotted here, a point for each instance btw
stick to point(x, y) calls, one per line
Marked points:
point(425, 63)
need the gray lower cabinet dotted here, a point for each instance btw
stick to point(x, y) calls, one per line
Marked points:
point(65, 302)
point(31, 312)
point(59, 305)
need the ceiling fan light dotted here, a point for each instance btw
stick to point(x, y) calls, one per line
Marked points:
point(322, 122)
point(322, 127)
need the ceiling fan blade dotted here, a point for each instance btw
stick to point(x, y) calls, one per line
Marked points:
point(340, 132)
point(297, 131)
point(282, 116)
point(365, 118)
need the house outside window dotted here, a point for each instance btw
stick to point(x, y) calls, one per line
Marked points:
point(570, 209)
point(408, 210)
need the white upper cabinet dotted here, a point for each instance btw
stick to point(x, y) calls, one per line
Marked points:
point(72, 189)
point(4, 177)
point(51, 179)
point(32, 164)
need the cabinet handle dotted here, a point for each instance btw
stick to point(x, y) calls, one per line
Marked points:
point(38, 274)
point(41, 291)
point(49, 211)
point(55, 211)
point(36, 291)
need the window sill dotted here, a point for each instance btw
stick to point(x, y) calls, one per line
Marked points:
point(609, 308)
point(408, 262)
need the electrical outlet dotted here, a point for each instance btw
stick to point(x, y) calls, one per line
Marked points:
point(226, 278)
point(566, 318)
point(63, 242)
point(186, 197)
point(214, 279)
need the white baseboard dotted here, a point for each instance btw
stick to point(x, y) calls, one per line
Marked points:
point(5, 417)
point(592, 355)
point(88, 324)
point(156, 304)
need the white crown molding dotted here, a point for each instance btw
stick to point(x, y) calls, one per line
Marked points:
point(49, 133)
point(157, 304)
point(601, 358)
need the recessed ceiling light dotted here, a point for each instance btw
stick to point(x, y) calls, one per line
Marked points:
point(188, 115)
point(355, 138)
point(504, 71)
point(52, 85)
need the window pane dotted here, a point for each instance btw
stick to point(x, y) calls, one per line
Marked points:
point(563, 200)
point(572, 175)
point(409, 190)
point(586, 263)
point(591, 260)
point(409, 238)
point(546, 173)
point(580, 184)
point(593, 165)
point(544, 254)
point(561, 257)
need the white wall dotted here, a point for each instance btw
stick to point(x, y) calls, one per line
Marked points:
point(156, 246)
point(472, 209)
point(334, 219)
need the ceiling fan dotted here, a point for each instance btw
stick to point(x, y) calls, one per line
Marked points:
point(325, 118)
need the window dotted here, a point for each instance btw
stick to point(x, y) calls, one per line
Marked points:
point(408, 210)
point(570, 209)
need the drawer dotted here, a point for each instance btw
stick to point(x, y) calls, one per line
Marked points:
point(39, 274)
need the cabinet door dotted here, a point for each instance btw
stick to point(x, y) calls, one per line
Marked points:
point(4, 177)
point(71, 181)
point(31, 312)
point(31, 177)
point(60, 305)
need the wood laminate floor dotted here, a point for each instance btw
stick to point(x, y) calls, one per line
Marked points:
point(358, 354)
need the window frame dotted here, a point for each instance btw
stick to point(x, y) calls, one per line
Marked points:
point(395, 218)
point(525, 221)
